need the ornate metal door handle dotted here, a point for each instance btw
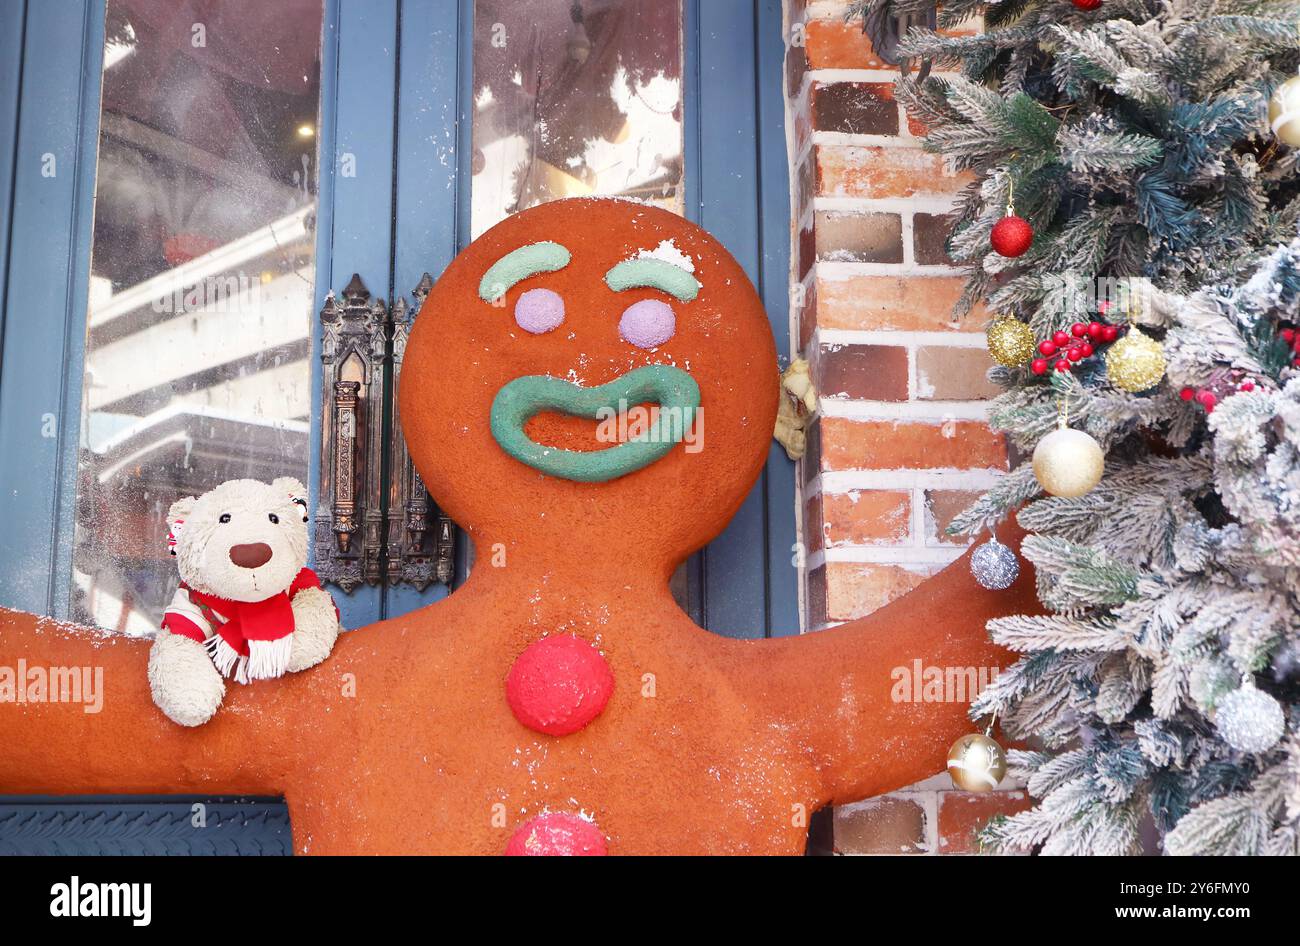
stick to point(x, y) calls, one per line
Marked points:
point(368, 482)
point(345, 462)
point(414, 555)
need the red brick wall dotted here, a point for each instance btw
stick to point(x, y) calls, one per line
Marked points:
point(900, 443)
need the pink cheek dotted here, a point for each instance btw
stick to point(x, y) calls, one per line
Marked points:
point(648, 323)
point(538, 311)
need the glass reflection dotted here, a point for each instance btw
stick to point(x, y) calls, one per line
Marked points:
point(575, 99)
point(198, 329)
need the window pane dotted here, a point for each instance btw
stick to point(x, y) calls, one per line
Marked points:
point(199, 323)
point(575, 99)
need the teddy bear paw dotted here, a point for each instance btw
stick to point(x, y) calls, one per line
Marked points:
point(184, 683)
point(315, 628)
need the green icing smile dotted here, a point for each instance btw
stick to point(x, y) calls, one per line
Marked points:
point(676, 393)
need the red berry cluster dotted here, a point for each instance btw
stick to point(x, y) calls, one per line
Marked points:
point(1224, 382)
point(1206, 397)
point(1073, 346)
point(1221, 383)
point(1290, 336)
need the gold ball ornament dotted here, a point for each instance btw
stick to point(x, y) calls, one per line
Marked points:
point(1068, 463)
point(976, 763)
point(1284, 112)
point(1135, 363)
point(1011, 342)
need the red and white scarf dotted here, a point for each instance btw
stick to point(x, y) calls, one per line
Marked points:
point(247, 640)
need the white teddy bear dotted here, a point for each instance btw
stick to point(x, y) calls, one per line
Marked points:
point(247, 607)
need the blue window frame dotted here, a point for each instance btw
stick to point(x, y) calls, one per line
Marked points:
point(395, 103)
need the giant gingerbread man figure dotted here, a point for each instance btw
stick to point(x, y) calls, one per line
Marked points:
point(632, 730)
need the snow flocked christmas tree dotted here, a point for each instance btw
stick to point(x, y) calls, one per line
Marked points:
point(1132, 225)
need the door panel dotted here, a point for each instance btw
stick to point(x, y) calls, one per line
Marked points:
point(743, 584)
point(427, 185)
point(360, 199)
point(197, 357)
point(45, 299)
point(732, 117)
point(389, 227)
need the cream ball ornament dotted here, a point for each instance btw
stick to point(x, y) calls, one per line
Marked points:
point(976, 763)
point(1068, 463)
point(1284, 112)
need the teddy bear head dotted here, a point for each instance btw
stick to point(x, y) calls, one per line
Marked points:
point(243, 540)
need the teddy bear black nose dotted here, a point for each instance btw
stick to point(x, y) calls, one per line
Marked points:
point(250, 556)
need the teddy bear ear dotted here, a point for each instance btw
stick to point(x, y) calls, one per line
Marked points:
point(295, 490)
point(176, 516)
point(180, 510)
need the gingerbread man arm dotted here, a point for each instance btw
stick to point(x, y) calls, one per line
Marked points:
point(114, 740)
point(840, 689)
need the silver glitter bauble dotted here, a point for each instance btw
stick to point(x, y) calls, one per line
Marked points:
point(994, 565)
point(1250, 720)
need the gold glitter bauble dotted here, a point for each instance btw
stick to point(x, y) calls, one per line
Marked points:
point(1011, 342)
point(1135, 363)
point(1068, 463)
point(1284, 112)
point(976, 763)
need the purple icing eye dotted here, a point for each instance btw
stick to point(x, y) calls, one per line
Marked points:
point(539, 310)
point(648, 323)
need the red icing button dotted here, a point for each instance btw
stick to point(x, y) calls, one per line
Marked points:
point(558, 685)
point(557, 834)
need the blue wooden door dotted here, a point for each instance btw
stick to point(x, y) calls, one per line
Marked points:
point(393, 164)
point(735, 185)
point(393, 202)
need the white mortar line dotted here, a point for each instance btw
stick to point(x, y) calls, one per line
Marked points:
point(931, 806)
point(854, 336)
point(891, 555)
point(845, 481)
point(859, 139)
point(841, 271)
point(938, 412)
point(923, 204)
point(909, 229)
point(829, 76)
point(826, 10)
point(904, 131)
point(918, 561)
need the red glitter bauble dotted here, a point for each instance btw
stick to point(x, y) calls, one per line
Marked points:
point(1011, 236)
point(558, 685)
point(1086, 4)
point(556, 834)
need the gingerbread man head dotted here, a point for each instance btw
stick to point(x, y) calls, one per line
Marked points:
point(596, 375)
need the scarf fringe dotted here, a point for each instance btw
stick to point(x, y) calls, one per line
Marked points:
point(267, 659)
point(229, 662)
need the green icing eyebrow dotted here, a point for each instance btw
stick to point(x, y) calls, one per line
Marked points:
point(519, 264)
point(656, 274)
